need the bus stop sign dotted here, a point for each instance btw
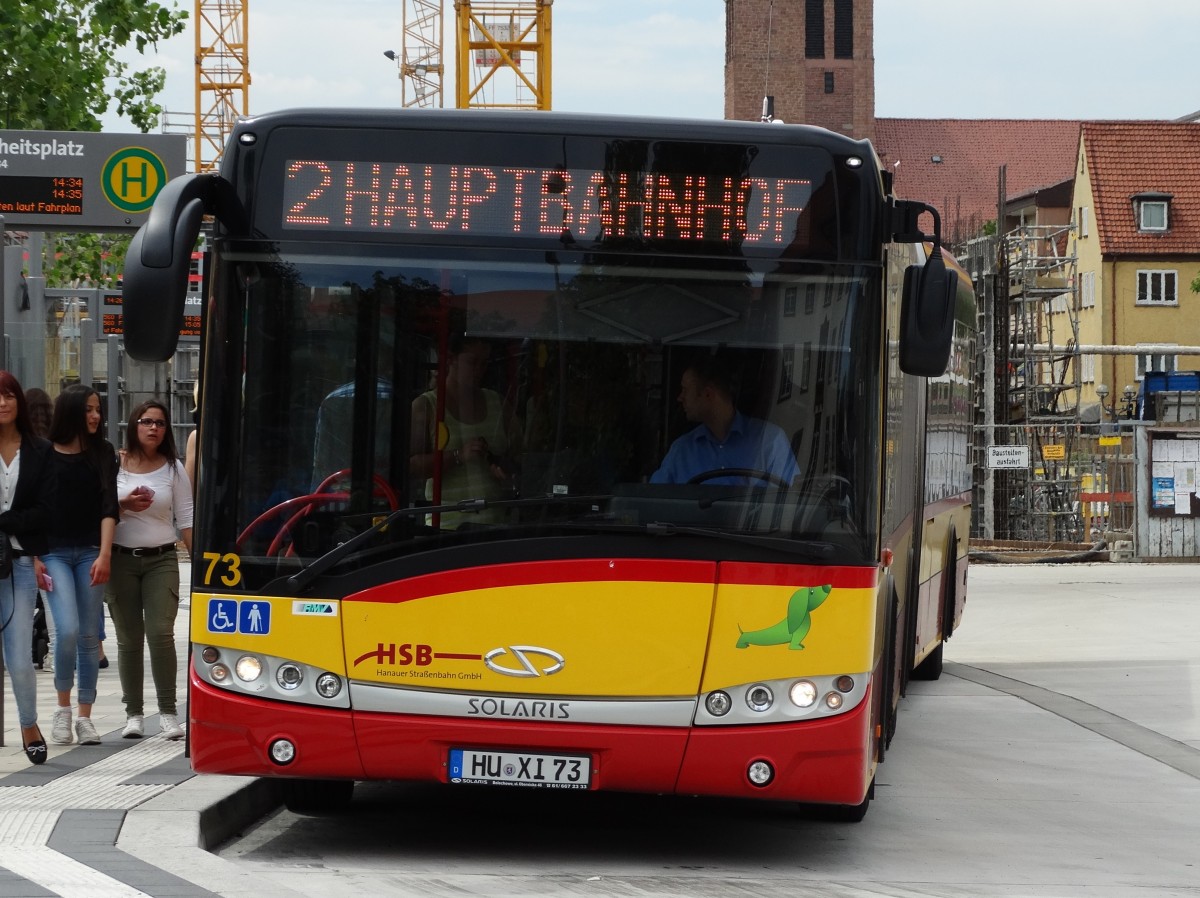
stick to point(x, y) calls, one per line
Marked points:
point(84, 180)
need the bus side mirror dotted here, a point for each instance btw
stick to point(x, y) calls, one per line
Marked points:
point(160, 256)
point(927, 309)
point(153, 295)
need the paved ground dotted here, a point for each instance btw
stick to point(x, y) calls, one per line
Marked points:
point(61, 822)
point(1109, 648)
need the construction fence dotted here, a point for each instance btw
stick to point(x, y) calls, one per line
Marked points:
point(1052, 485)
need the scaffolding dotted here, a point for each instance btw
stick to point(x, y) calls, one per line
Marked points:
point(1030, 315)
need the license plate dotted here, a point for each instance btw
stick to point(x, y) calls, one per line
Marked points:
point(506, 768)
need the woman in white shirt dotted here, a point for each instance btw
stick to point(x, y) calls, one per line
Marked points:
point(143, 592)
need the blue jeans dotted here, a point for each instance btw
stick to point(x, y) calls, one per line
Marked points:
point(18, 595)
point(76, 606)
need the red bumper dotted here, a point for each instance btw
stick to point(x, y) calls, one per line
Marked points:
point(816, 761)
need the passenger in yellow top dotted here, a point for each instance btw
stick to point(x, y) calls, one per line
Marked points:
point(476, 441)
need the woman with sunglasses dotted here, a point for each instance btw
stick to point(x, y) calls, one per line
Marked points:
point(80, 535)
point(26, 491)
point(143, 594)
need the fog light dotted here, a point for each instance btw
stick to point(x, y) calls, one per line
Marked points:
point(210, 654)
point(759, 697)
point(844, 684)
point(760, 773)
point(833, 701)
point(282, 751)
point(803, 694)
point(248, 668)
point(289, 676)
point(329, 685)
point(219, 673)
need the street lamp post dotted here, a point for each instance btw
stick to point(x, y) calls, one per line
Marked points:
point(1128, 399)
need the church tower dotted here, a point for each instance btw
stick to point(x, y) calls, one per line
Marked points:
point(815, 57)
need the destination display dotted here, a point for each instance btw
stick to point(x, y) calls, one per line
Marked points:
point(422, 198)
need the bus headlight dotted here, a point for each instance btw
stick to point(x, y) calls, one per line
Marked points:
point(289, 676)
point(833, 701)
point(329, 685)
point(718, 704)
point(248, 668)
point(759, 698)
point(803, 694)
point(219, 673)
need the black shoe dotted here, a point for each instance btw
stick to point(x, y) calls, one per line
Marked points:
point(36, 750)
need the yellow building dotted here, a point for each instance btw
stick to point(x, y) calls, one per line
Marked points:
point(1136, 208)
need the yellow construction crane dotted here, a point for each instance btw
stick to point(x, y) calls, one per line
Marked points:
point(502, 54)
point(222, 76)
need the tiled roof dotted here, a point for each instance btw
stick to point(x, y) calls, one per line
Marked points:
point(1128, 158)
point(963, 186)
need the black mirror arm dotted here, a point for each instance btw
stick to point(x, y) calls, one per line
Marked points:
point(906, 223)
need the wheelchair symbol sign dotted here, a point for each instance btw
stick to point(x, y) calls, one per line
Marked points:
point(222, 616)
point(251, 617)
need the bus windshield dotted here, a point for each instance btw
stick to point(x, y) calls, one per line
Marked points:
point(518, 395)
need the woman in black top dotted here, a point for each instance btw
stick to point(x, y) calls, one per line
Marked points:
point(26, 491)
point(81, 536)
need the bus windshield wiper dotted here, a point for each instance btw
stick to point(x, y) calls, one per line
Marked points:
point(302, 578)
point(810, 548)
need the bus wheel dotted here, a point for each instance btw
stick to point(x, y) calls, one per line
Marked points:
point(316, 797)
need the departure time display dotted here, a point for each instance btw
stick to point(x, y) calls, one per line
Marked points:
point(491, 201)
point(41, 195)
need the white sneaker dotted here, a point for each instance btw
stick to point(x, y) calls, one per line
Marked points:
point(86, 732)
point(170, 726)
point(133, 727)
point(60, 729)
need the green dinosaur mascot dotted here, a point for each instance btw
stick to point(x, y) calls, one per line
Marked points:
point(792, 629)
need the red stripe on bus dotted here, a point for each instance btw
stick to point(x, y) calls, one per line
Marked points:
point(751, 574)
point(540, 572)
point(616, 569)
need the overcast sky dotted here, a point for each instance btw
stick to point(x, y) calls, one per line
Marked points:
point(933, 58)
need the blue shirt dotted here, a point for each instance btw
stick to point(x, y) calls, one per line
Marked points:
point(752, 443)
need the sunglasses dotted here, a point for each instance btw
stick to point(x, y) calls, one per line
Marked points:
point(152, 422)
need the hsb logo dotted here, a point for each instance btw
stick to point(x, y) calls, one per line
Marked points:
point(402, 655)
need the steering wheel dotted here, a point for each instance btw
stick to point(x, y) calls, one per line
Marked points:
point(753, 473)
point(300, 507)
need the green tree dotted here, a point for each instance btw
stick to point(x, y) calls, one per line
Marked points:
point(59, 69)
point(1196, 284)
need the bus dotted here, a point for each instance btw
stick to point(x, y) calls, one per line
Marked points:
point(444, 356)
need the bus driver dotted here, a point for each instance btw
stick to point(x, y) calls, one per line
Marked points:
point(724, 437)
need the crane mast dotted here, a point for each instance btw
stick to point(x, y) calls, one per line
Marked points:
point(222, 76)
point(420, 62)
point(501, 54)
